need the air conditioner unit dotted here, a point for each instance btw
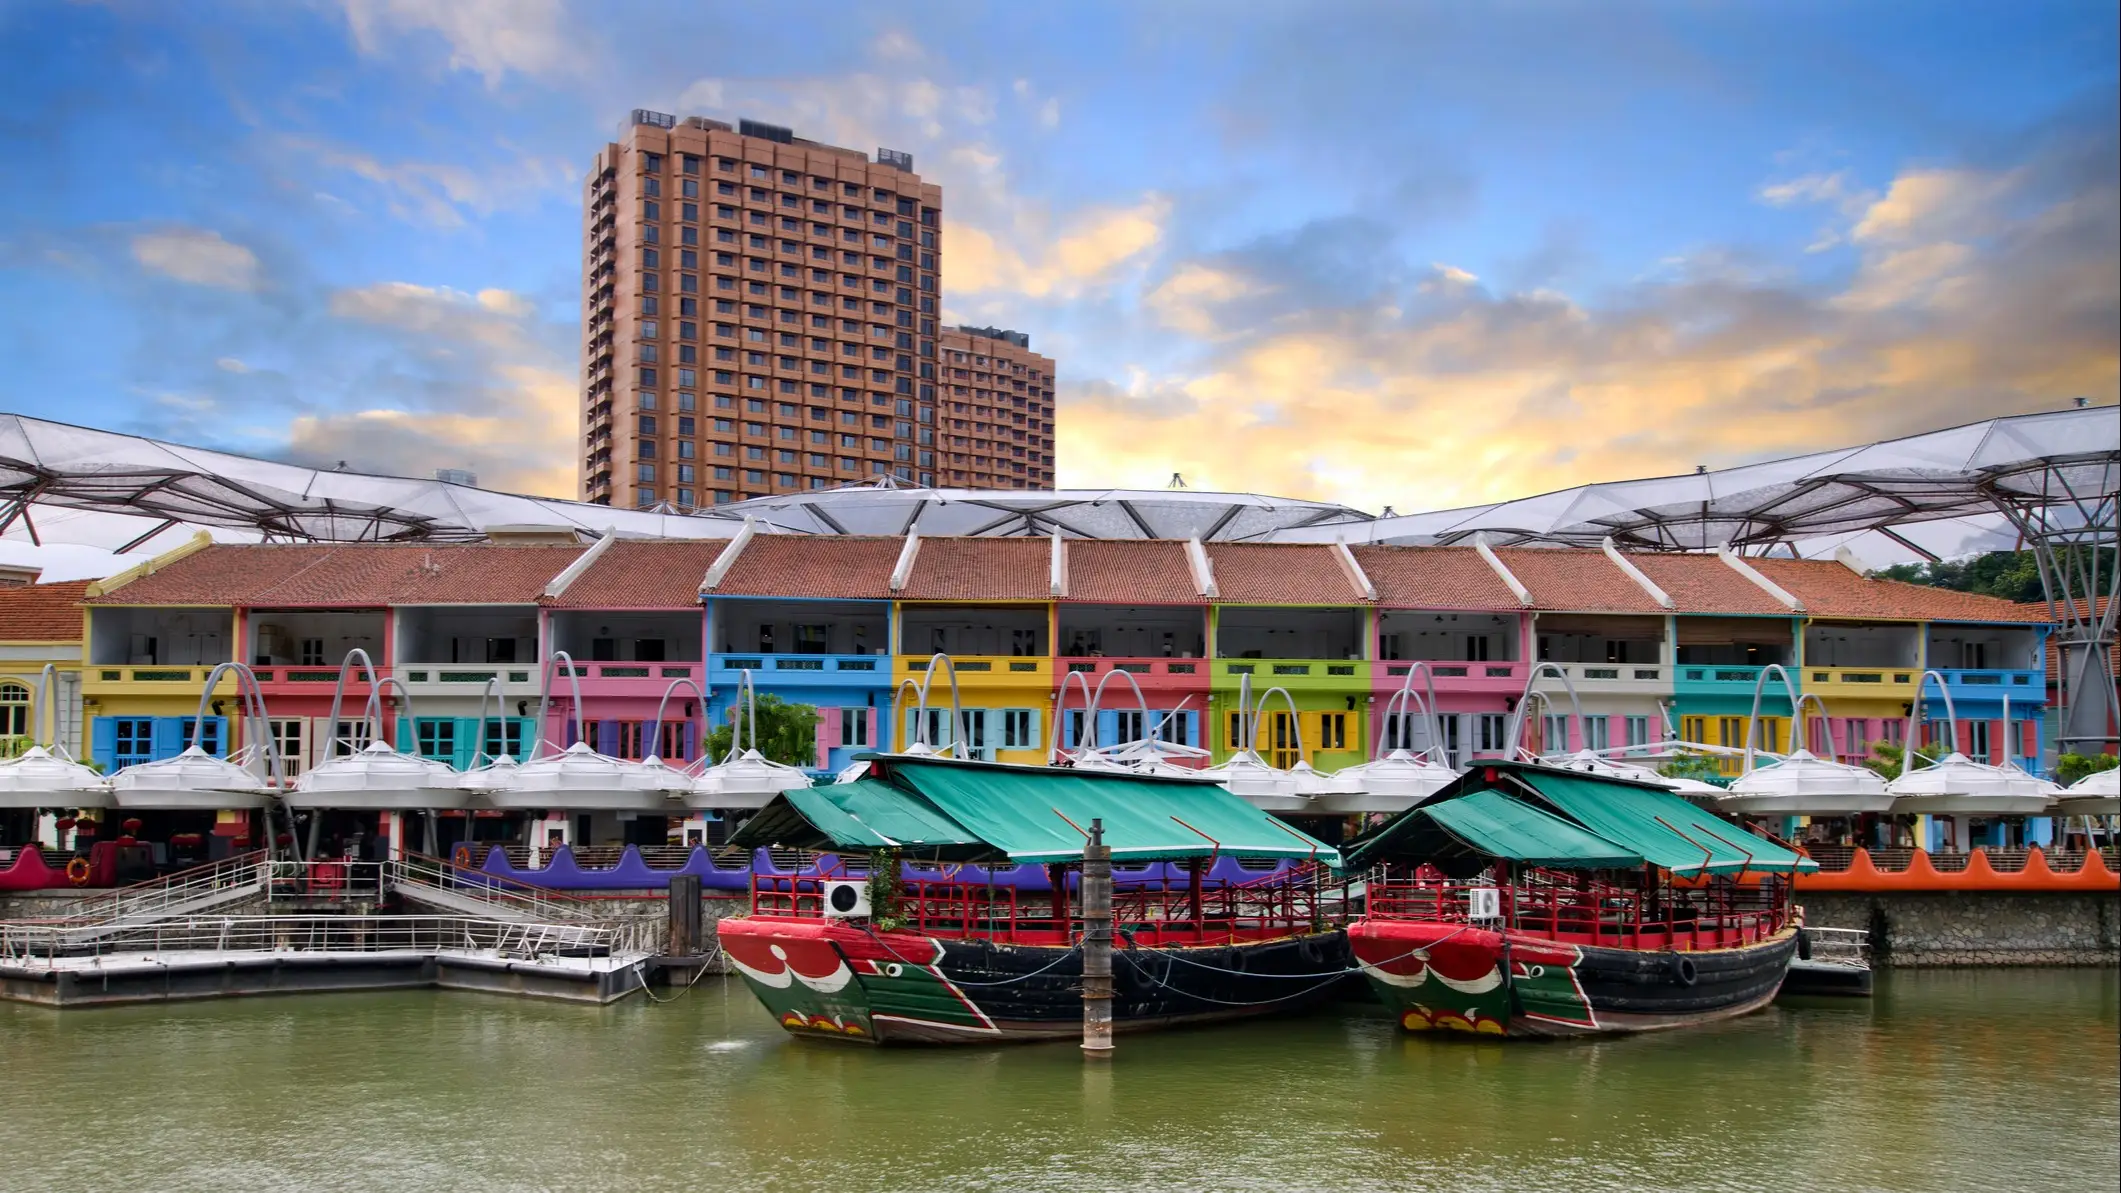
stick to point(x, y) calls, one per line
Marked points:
point(847, 900)
point(1484, 903)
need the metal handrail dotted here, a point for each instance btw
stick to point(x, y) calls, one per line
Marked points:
point(54, 946)
point(512, 894)
point(242, 871)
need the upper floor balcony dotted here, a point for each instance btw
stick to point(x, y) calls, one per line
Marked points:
point(453, 651)
point(1862, 660)
point(630, 653)
point(1160, 646)
point(806, 643)
point(1605, 655)
point(1004, 646)
point(1988, 663)
point(155, 651)
point(1466, 653)
point(298, 653)
point(1302, 649)
point(1721, 658)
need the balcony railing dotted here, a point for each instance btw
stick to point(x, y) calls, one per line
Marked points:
point(1268, 672)
point(1176, 669)
point(1509, 673)
point(1014, 668)
point(1994, 681)
point(1863, 678)
point(796, 666)
point(470, 676)
point(655, 670)
point(149, 674)
point(1614, 674)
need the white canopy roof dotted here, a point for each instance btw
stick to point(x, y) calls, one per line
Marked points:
point(1954, 473)
point(76, 485)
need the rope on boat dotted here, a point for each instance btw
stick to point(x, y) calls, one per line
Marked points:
point(886, 946)
point(640, 974)
point(1226, 1002)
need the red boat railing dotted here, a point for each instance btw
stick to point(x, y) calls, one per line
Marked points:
point(1573, 908)
point(1147, 915)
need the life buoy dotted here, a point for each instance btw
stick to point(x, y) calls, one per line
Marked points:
point(77, 871)
point(1683, 971)
point(461, 858)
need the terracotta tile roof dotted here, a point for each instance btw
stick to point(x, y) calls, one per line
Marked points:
point(1281, 574)
point(643, 574)
point(1575, 581)
point(952, 569)
point(42, 612)
point(852, 568)
point(1830, 590)
point(1434, 578)
point(1130, 572)
point(1705, 584)
point(350, 575)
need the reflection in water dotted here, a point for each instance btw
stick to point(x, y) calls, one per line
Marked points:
point(2000, 1080)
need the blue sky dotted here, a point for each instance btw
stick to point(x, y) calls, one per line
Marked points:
point(1406, 254)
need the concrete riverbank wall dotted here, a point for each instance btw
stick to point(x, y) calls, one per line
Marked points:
point(1937, 929)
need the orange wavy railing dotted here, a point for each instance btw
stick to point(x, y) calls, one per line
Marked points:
point(1979, 875)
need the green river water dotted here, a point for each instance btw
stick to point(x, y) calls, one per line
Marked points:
point(1948, 1080)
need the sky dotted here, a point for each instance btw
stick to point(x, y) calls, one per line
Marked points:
point(1397, 254)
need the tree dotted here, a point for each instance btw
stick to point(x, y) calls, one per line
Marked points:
point(2072, 767)
point(1699, 767)
point(787, 733)
point(2012, 575)
point(1886, 758)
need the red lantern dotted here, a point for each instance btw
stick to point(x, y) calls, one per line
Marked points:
point(132, 825)
point(64, 823)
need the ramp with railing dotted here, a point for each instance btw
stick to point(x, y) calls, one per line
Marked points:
point(451, 888)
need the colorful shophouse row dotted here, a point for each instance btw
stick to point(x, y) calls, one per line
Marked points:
point(1654, 646)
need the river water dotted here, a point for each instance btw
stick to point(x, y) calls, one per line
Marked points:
point(1948, 1080)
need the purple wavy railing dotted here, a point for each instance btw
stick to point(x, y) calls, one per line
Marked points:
point(633, 874)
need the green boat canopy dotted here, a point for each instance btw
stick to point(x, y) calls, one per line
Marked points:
point(1667, 831)
point(1568, 820)
point(1458, 836)
point(963, 811)
point(862, 815)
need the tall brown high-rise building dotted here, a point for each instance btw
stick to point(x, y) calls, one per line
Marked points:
point(994, 411)
point(761, 316)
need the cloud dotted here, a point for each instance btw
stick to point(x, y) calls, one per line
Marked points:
point(479, 384)
point(1088, 250)
point(198, 256)
point(488, 37)
point(1186, 300)
point(1977, 291)
point(443, 193)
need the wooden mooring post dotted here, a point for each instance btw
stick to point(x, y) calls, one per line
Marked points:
point(1097, 945)
point(684, 915)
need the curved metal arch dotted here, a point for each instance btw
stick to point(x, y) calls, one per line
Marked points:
point(374, 709)
point(1060, 709)
point(338, 698)
point(1296, 720)
point(957, 710)
point(250, 697)
point(574, 681)
point(1826, 722)
point(1430, 709)
point(1514, 735)
point(663, 704)
point(1097, 697)
point(1908, 745)
point(1796, 711)
point(500, 704)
